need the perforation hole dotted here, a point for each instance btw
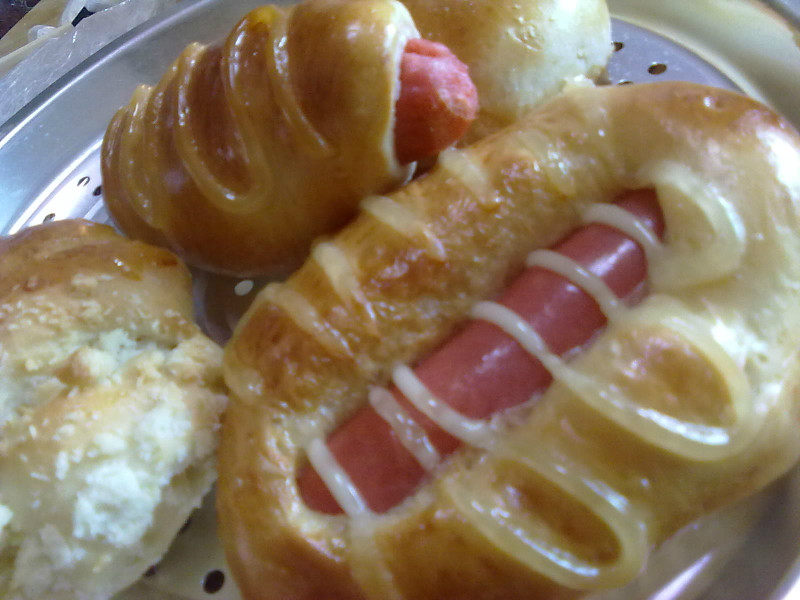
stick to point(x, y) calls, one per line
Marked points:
point(83, 181)
point(98, 190)
point(49, 217)
point(657, 68)
point(618, 46)
point(213, 581)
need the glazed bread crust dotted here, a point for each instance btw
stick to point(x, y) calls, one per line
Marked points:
point(686, 403)
point(244, 152)
point(110, 400)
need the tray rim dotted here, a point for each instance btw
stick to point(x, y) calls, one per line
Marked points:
point(45, 103)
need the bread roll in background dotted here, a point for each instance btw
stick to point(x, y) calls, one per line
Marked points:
point(519, 52)
point(110, 398)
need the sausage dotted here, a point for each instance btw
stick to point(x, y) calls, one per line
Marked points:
point(437, 101)
point(482, 370)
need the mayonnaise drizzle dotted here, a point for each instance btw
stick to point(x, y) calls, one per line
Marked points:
point(691, 440)
point(336, 479)
point(368, 563)
point(401, 219)
point(409, 432)
point(562, 265)
point(516, 327)
point(305, 314)
point(470, 431)
point(622, 220)
point(460, 165)
point(334, 262)
point(532, 539)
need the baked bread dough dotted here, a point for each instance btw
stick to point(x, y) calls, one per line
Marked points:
point(519, 52)
point(684, 403)
point(245, 152)
point(110, 399)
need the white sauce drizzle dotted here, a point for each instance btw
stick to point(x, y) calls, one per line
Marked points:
point(622, 220)
point(336, 479)
point(690, 440)
point(562, 265)
point(410, 434)
point(405, 222)
point(368, 563)
point(334, 262)
point(306, 316)
point(469, 431)
point(460, 165)
point(527, 337)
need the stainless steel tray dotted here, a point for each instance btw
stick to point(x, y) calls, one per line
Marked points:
point(49, 168)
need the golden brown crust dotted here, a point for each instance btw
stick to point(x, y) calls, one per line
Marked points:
point(110, 399)
point(300, 361)
point(243, 153)
point(49, 256)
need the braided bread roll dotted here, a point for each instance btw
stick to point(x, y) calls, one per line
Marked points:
point(110, 399)
point(684, 403)
point(244, 153)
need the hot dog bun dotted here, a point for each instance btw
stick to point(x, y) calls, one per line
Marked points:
point(110, 400)
point(519, 53)
point(684, 403)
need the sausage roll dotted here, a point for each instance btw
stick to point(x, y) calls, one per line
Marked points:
point(684, 399)
point(244, 152)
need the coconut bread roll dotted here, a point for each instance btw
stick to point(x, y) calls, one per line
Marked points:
point(110, 401)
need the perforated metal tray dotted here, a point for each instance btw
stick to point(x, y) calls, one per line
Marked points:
point(49, 169)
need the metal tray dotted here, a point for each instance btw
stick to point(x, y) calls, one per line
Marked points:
point(49, 168)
